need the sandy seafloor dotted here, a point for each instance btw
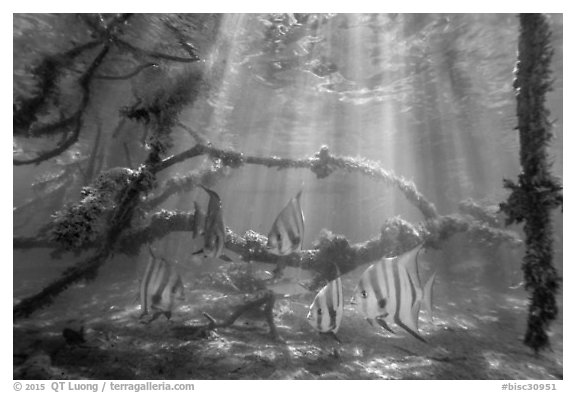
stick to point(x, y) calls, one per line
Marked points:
point(477, 334)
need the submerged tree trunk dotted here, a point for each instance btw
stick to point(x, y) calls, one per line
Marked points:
point(537, 191)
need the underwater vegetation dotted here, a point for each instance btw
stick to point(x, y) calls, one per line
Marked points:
point(104, 113)
point(537, 192)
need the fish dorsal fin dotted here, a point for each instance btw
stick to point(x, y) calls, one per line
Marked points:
point(298, 199)
point(298, 194)
point(285, 212)
point(152, 254)
point(211, 193)
point(215, 203)
point(408, 261)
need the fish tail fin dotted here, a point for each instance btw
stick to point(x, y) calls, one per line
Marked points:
point(427, 299)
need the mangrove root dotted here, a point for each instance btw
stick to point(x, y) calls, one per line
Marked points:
point(264, 299)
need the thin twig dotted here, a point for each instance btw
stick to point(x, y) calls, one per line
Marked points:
point(197, 150)
point(181, 39)
point(194, 134)
point(91, 169)
point(153, 54)
point(131, 74)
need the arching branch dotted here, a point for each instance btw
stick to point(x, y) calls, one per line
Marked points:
point(62, 147)
point(396, 237)
point(197, 137)
point(322, 164)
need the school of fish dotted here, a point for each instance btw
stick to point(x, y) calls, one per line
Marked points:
point(388, 292)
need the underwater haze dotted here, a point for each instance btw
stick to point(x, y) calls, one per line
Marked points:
point(274, 196)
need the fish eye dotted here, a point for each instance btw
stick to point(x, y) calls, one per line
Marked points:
point(364, 294)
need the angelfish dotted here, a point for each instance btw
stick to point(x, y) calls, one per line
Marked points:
point(214, 229)
point(325, 313)
point(390, 291)
point(287, 233)
point(161, 289)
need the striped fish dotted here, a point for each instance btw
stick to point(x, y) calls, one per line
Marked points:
point(287, 233)
point(161, 289)
point(325, 314)
point(214, 229)
point(390, 291)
